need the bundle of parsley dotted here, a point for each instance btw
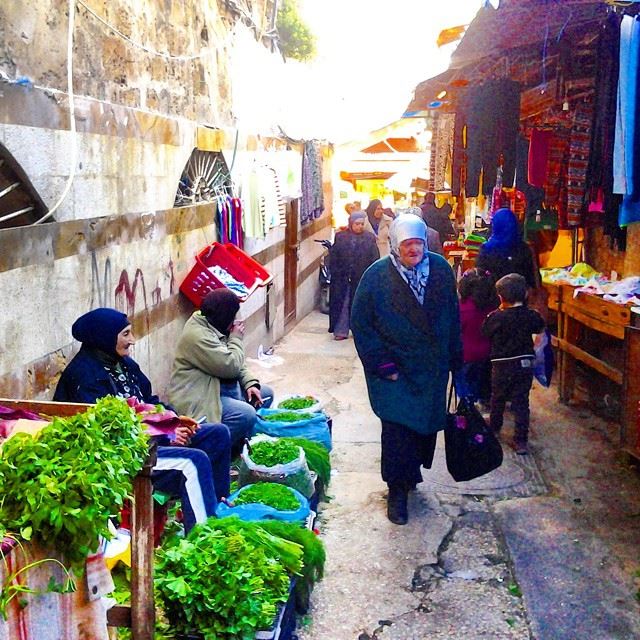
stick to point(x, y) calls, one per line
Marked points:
point(62, 486)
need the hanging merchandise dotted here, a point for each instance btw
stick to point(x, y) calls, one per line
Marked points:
point(600, 169)
point(265, 207)
point(557, 169)
point(491, 113)
point(441, 150)
point(312, 204)
point(223, 218)
point(580, 141)
point(626, 158)
point(538, 156)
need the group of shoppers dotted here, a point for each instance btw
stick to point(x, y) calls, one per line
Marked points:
point(211, 392)
point(366, 239)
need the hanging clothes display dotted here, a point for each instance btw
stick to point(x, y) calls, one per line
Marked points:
point(555, 188)
point(603, 129)
point(264, 208)
point(538, 156)
point(579, 143)
point(441, 150)
point(491, 115)
point(312, 204)
point(626, 159)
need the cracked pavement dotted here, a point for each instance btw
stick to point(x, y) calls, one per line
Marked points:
point(509, 556)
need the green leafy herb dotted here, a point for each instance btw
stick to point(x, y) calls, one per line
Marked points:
point(269, 493)
point(287, 416)
point(313, 558)
point(317, 457)
point(269, 453)
point(60, 487)
point(297, 403)
point(219, 584)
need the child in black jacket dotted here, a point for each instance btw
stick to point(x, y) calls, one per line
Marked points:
point(509, 329)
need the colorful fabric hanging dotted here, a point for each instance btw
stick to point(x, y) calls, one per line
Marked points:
point(312, 203)
point(580, 141)
point(538, 156)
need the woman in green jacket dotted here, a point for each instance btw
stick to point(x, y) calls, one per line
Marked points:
point(210, 378)
point(406, 326)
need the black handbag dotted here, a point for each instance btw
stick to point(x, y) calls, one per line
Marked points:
point(472, 448)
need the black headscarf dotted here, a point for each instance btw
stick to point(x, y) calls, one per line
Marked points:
point(99, 329)
point(371, 210)
point(220, 307)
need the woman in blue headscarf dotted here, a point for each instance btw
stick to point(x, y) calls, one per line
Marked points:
point(406, 326)
point(505, 251)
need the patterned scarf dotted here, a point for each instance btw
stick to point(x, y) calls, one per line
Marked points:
point(405, 227)
point(416, 277)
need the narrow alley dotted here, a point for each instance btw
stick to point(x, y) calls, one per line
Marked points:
point(544, 547)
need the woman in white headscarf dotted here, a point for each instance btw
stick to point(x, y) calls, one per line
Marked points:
point(406, 326)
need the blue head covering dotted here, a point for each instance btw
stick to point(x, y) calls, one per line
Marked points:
point(99, 329)
point(408, 226)
point(505, 234)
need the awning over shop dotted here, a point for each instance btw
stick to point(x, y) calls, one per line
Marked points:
point(523, 39)
point(519, 23)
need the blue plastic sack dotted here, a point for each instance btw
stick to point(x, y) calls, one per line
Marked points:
point(544, 361)
point(259, 511)
point(315, 428)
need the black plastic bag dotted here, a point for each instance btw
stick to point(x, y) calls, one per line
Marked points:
point(471, 447)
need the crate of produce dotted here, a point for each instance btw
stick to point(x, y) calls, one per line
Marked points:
point(216, 266)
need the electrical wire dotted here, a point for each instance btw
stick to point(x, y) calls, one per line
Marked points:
point(72, 117)
point(168, 56)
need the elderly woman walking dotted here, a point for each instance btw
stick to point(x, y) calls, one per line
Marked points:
point(406, 326)
point(352, 252)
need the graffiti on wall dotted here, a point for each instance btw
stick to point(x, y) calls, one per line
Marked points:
point(126, 294)
point(100, 287)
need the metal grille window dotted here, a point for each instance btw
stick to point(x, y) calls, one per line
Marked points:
point(20, 204)
point(205, 177)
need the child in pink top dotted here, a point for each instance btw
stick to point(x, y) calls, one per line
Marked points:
point(477, 299)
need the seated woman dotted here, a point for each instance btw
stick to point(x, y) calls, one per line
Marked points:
point(210, 378)
point(195, 465)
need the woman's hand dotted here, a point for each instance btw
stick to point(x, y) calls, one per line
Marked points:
point(393, 376)
point(183, 436)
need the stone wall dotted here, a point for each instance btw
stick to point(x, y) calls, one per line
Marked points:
point(116, 240)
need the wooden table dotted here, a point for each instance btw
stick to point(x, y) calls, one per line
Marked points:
point(615, 320)
point(140, 616)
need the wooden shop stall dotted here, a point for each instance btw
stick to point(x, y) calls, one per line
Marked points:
point(526, 118)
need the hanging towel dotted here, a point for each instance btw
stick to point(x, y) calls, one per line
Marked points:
point(538, 156)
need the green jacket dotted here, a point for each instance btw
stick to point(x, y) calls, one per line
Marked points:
point(203, 357)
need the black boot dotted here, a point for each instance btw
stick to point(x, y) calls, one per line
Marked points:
point(397, 505)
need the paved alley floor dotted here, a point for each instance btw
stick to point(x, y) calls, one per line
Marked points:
point(544, 548)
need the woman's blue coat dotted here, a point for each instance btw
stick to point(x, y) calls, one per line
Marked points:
point(390, 326)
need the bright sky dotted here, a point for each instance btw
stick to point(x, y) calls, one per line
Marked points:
point(371, 55)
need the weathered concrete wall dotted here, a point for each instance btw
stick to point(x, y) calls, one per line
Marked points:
point(116, 241)
point(54, 273)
